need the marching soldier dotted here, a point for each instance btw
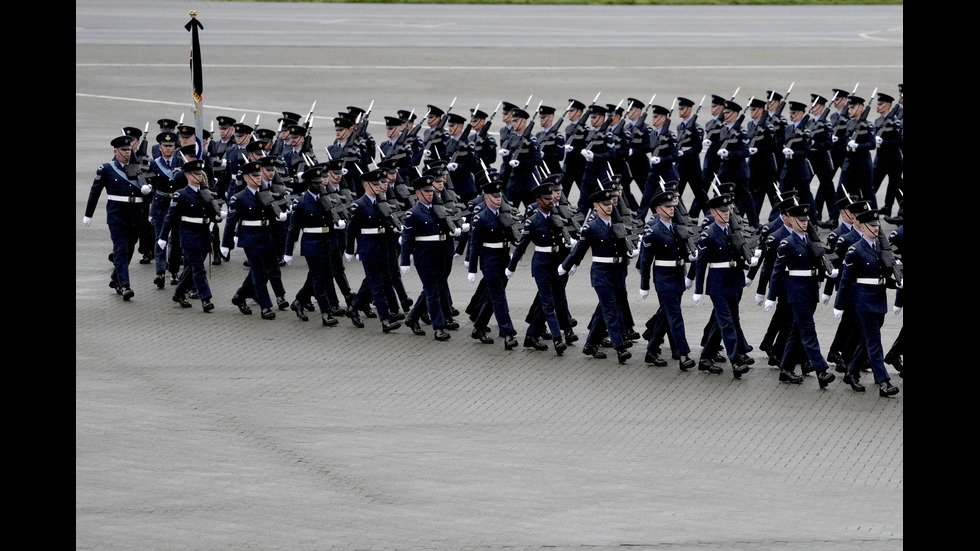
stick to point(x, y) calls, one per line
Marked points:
point(191, 213)
point(490, 253)
point(798, 271)
point(733, 153)
point(125, 212)
point(250, 216)
point(720, 263)
point(164, 186)
point(637, 134)
point(690, 138)
point(608, 252)
point(575, 132)
point(862, 289)
point(663, 153)
point(423, 239)
point(522, 157)
point(366, 231)
point(856, 172)
point(664, 253)
point(551, 143)
point(762, 156)
point(313, 220)
point(819, 156)
point(797, 172)
point(889, 137)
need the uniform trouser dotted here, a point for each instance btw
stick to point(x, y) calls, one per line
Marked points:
point(319, 278)
point(857, 182)
point(760, 189)
point(870, 327)
point(671, 321)
point(261, 264)
point(846, 336)
point(551, 291)
point(610, 319)
point(339, 272)
point(160, 255)
point(650, 189)
point(657, 331)
point(746, 204)
point(147, 237)
point(124, 238)
point(477, 301)
point(373, 288)
point(728, 325)
point(898, 347)
point(890, 165)
point(434, 295)
point(825, 191)
point(775, 338)
point(496, 284)
point(802, 338)
point(194, 274)
point(692, 175)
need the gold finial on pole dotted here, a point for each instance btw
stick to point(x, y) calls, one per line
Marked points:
point(193, 13)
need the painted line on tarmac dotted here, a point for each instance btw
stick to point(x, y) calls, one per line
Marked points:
point(496, 68)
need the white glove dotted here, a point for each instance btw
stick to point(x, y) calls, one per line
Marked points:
point(834, 273)
point(348, 257)
point(824, 298)
point(288, 259)
point(561, 270)
point(754, 261)
point(697, 299)
point(465, 226)
point(629, 153)
point(897, 310)
point(568, 148)
point(146, 189)
point(753, 150)
point(340, 224)
point(514, 163)
point(688, 282)
point(838, 313)
point(220, 216)
point(235, 239)
point(162, 243)
point(572, 242)
point(644, 293)
point(693, 257)
point(455, 256)
point(282, 216)
point(87, 221)
point(655, 160)
point(706, 143)
point(504, 152)
point(852, 145)
point(788, 152)
point(834, 139)
point(757, 253)
point(404, 269)
point(878, 140)
point(770, 304)
point(759, 299)
point(456, 232)
point(748, 281)
point(471, 277)
point(588, 154)
point(452, 166)
point(466, 264)
point(508, 273)
point(426, 154)
point(571, 271)
point(224, 251)
point(723, 153)
point(357, 257)
point(633, 253)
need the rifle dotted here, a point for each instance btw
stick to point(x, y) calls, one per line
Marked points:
point(782, 103)
point(482, 135)
point(580, 135)
point(664, 135)
point(350, 150)
point(888, 118)
point(862, 128)
point(549, 138)
point(893, 266)
point(307, 125)
point(636, 136)
point(718, 130)
point(437, 132)
point(592, 138)
point(692, 125)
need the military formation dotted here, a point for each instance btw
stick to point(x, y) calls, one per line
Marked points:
point(443, 189)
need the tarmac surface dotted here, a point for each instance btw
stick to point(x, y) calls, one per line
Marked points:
point(224, 431)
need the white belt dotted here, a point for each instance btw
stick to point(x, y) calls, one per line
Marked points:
point(124, 198)
point(325, 229)
point(607, 259)
point(668, 263)
point(802, 273)
point(372, 231)
point(870, 281)
point(495, 245)
point(544, 249)
point(439, 237)
point(191, 220)
point(729, 264)
point(255, 222)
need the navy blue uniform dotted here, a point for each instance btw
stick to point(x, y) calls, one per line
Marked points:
point(721, 275)
point(664, 252)
point(365, 236)
point(425, 240)
point(489, 252)
point(192, 216)
point(315, 224)
point(251, 221)
point(545, 235)
point(125, 215)
point(862, 289)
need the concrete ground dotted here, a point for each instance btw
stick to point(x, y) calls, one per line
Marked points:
point(224, 431)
